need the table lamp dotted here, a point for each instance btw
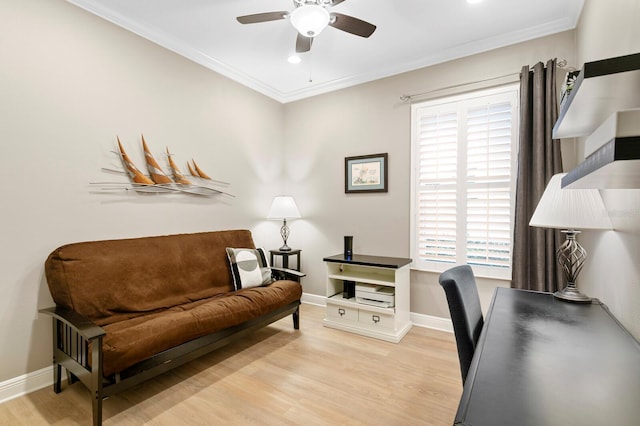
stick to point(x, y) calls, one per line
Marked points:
point(284, 207)
point(570, 209)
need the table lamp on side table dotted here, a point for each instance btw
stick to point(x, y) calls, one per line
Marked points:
point(568, 209)
point(284, 207)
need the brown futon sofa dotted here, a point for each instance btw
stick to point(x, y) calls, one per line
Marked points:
point(127, 310)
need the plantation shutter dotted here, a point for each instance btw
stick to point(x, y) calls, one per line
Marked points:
point(438, 152)
point(463, 180)
point(489, 185)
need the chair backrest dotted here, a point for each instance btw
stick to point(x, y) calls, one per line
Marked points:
point(466, 314)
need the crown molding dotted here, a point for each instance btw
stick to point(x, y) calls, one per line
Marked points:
point(183, 49)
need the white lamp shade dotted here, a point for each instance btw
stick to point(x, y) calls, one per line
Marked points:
point(570, 208)
point(309, 19)
point(283, 207)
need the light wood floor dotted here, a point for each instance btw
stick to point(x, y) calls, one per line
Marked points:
point(279, 376)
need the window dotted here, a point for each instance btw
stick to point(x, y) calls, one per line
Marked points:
point(463, 181)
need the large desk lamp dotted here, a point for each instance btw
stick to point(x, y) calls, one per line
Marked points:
point(568, 210)
point(284, 207)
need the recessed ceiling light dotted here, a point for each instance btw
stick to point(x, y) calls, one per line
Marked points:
point(294, 59)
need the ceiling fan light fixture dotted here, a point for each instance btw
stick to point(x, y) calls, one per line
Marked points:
point(309, 19)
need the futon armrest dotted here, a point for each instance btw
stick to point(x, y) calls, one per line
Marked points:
point(84, 326)
point(287, 273)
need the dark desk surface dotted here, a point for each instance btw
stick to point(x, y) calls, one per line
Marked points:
point(544, 362)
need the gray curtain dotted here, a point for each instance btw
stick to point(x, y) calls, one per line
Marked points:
point(534, 260)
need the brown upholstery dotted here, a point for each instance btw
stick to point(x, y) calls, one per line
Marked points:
point(109, 281)
point(136, 339)
point(154, 293)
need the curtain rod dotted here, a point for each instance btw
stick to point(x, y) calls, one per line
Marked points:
point(561, 64)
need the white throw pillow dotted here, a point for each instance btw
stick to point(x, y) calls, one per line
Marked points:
point(249, 267)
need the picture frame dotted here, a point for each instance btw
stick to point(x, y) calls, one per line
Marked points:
point(366, 173)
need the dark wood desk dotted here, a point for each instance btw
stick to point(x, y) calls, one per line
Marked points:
point(544, 362)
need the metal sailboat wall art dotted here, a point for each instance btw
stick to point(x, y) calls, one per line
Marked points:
point(157, 181)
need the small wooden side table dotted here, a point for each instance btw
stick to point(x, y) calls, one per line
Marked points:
point(285, 257)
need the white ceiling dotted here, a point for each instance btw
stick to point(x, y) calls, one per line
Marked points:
point(410, 34)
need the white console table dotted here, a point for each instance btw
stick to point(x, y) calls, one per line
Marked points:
point(386, 323)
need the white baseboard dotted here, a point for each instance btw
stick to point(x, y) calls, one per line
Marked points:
point(429, 321)
point(314, 299)
point(25, 384)
point(36, 380)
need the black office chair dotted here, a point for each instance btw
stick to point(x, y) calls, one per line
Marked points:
point(464, 305)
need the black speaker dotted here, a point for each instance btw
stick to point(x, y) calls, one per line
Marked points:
point(348, 247)
point(348, 289)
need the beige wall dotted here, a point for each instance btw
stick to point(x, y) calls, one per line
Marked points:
point(368, 119)
point(69, 82)
point(607, 29)
point(612, 272)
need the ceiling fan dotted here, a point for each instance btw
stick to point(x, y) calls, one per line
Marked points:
point(310, 17)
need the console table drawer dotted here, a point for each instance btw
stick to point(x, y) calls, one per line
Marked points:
point(375, 319)
point(342, 312)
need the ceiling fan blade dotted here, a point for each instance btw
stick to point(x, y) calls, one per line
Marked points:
point(262, 17)
point(303, 44)
point(352, 25)
point(336, 2)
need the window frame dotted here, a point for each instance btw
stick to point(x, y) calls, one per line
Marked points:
point(510, 91)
